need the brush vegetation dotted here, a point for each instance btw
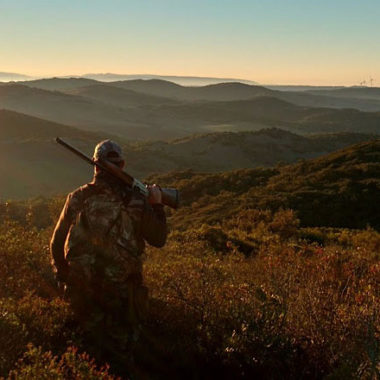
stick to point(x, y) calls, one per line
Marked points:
point(268, 273)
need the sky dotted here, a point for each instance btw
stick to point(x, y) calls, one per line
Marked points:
point(316, 42)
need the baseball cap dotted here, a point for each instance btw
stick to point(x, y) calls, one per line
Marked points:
point(108, 150)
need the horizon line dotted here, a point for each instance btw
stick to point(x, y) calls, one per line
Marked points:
point(30, 77)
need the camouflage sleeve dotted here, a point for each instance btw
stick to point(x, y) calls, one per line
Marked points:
point(154, 228)
point(61, 230)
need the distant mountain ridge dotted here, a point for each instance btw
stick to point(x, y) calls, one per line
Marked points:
point(212, 92)
point(136, 112)
point(182, 80)
point(110, 77)
point(328, 97)
point(358, 92)
point(4, 76)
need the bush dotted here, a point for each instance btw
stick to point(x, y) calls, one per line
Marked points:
point(251, 295)
point(37, 364)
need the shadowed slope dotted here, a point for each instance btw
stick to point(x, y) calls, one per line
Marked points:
point(59, 84)
point(341, 189)
point(139, 116)
point(73, 110)
point(33, 164)
point(118, 96)
point(214, 92)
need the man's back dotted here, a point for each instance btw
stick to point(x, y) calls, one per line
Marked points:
point(97, 251)
point(105, 217)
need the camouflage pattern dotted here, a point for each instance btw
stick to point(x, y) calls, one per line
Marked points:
point(98, 250)
point(105, 222)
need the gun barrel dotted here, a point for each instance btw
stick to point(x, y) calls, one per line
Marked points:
point(170, 197)
point(75, 151)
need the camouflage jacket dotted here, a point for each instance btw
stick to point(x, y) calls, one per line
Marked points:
point(112, 219)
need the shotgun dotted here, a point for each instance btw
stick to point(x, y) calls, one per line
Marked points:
point(170, 197)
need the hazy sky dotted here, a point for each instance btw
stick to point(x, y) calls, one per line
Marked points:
point(269, 41)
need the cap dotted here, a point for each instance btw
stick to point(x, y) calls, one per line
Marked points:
point(108, 150)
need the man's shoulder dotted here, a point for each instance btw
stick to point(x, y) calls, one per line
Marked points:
point(79, 195)
point(95, 191)
point(83, 191)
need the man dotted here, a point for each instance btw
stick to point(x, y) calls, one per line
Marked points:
point(97, 252)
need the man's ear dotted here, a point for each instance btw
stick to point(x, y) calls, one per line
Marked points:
point(122, 164)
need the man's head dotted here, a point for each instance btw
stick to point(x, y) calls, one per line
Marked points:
point(108, 150)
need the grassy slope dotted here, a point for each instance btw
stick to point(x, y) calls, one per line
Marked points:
point(341, 189)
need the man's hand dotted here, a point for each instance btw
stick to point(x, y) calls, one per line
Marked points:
point(155, 195)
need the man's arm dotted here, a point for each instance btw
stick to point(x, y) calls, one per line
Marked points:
point(154, 229)
point(58, 239)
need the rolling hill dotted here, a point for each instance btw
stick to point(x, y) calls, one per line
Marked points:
point(341, 189)
point(78, 111)
point(227, 150)
point(214, 92)
point(233, 91)
point(33, 164)
point(118, 96)
point(266, 111)
point(361, 98)
point(17, 127)
point(58, 84)
point(182, 80)
point(137, 115)
point(351, 92)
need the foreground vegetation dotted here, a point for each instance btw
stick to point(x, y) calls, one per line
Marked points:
point(251, 292)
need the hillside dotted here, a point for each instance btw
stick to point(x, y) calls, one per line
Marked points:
point(59, 84)
point(32, 163)
point(28, 146)
point(351, 92)
point(258, 112)
point(227, 150)
point(16, 127)
point(118, 96)
point(136, 113)
point(341, 189)
point(225, 91)
point(239, 277)
point(214, 92)
point(326, 100)
point(181, 80)
point(233, 91)
point(88, 114)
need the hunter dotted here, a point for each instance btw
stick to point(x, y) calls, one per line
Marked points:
point(97, 251)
